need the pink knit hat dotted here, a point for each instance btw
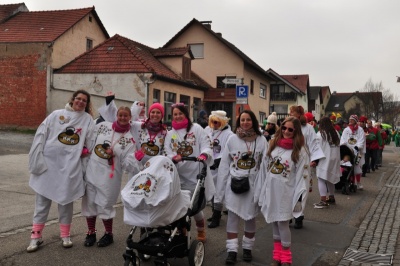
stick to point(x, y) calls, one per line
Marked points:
point(157, 106)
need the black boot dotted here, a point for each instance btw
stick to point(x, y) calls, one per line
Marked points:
point(298, 224)
point(215, 219)
point(247, 255)
point(231, 259)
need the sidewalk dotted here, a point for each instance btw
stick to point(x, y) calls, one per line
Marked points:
point(378, 235)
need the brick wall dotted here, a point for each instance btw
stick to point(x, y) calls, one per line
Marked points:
point(22, 91)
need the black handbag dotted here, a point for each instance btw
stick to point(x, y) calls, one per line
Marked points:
point(241, 185)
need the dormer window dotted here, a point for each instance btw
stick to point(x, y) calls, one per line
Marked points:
point(197, 50)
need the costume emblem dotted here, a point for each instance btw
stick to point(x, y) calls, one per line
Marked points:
point(63, 119)
point(145, 184)
point(101, 150)
point(352, 141)
point(69, 137)
point(279, 168)
point(246, 161)
point(185, 149)
point(150, 148)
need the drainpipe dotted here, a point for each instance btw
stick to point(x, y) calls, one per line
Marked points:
point(147, 81)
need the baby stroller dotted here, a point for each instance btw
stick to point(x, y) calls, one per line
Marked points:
point(346, 183)
point(154, 202)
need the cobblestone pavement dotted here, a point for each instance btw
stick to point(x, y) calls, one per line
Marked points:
point(379, 232)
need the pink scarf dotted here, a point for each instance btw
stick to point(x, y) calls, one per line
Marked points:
point(180, 125)
point(285, 143)
point(120, 129)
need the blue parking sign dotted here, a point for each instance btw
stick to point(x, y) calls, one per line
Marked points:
point(242, 91)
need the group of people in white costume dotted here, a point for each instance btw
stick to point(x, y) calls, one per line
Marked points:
point(71, 157)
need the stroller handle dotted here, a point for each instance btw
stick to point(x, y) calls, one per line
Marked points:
point(193, 159)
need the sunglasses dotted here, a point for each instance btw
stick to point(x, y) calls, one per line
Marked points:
point(287, 128)
point(215, 122)
point(177, 104)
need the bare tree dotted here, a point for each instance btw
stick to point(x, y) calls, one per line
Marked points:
point(373, 99)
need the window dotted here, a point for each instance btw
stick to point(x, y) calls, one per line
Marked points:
point(196, 107)
point(185, 99)
point(262, 116)
point(251, 86)
point(263, 90)
point(277, 88)
point(197, 50)
point(90, 18)
point(169, 99)
point(221, 84)
point(156, 96)
point(89, 44)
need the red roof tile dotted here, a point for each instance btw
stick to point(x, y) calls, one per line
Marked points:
point(8, 10)
point(299, 81)
point(42, 26)
point(167, 52)
point(122, 55)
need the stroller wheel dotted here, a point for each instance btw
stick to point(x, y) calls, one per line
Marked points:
point(129, 262)
point(345, 190)
point(144, 257)
point(196, 253)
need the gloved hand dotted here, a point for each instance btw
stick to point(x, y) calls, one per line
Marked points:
point(202, 157)
point(139, 155)
point(297, 207)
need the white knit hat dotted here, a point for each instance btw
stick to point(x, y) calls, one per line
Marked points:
point(273, 119)
point(220, 116)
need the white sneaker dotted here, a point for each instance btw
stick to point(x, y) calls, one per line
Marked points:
point(66, 242)
point(359, 186)
point(34, 245)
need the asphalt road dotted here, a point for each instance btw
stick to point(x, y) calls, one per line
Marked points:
point(325, 237)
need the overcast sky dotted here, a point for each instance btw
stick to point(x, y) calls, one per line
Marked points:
point(339, 43)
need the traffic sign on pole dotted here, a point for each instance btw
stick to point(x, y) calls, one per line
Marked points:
point(232, 81)
point(242, 91)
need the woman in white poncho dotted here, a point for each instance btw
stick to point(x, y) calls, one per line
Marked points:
point(149, 134)
point(314, 150)
point(187, 139)
point(328, 169)
point(56, 167)
point(219, 131)
point(113, 153)
point(241, 158)
point(280, 184)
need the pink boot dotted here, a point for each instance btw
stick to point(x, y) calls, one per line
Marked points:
point(286, 257)
point(276, 254)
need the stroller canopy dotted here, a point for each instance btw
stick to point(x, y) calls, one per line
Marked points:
point(153, 197)
point(346, 150)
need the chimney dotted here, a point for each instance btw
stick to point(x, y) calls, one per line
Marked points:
point(206, 23)
point(219, 34)
point(334, 92)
